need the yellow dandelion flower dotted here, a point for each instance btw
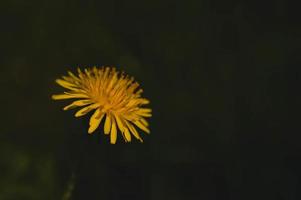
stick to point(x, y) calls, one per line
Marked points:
point(113, 96)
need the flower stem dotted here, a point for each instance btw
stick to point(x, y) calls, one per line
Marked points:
point(70, 187)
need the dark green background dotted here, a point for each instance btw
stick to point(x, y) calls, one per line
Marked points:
point(222, 77)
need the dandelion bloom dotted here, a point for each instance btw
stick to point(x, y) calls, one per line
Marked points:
point(112, 96)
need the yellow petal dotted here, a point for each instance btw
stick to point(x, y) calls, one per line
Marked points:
point(112, 81)
point(65, 84)
point(127, 134)
point(144, 112)
point(68, 79)
point(141, 126)
point(113, 132)
point(133, 87)
point(73, 76)
point(144, 101)
point(119, 123)
point(68, 95)
point(85, 110)
point(139, 92)
point(80, 94)
point(63, 96)
point(144, 122)
point(95, 120)
point(106, 73)
point(88, 72)
point(107, 125)
point(133, 131)
point(77, 104)
point(80, 73)
point(132, 103)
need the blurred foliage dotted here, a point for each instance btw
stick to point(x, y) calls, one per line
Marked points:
point(25, 174)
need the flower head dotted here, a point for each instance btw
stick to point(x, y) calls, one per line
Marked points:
point(112, 96)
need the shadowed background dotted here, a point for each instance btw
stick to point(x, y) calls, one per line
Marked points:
point(221, 76)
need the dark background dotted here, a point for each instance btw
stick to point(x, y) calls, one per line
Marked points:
point(221, 76)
